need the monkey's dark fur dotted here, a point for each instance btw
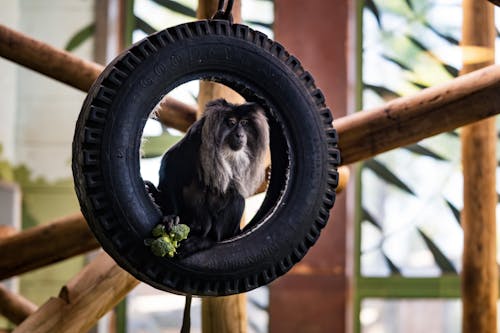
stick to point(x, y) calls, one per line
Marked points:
point(206, 176)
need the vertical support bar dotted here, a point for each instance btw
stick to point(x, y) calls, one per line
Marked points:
point(315, 296)
point(479, 275)
point(220, 314)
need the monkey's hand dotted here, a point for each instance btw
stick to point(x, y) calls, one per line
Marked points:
point(170, 221)
point(153, 192)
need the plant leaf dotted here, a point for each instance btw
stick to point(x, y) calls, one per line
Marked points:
point(144, 26)
point(80, 37)
point(176, 7)
point(455, 211)
point(417, 43)
point(410, 5)
point(366, 216)
point(384, 173)
point(448, 38)
point(451, 70)
point(421, 150)
point(443, 263)
point(258, 304)
point(383, 92)
point(370, 4)
point(419, 85)
point(394, 269)
point(395, 61)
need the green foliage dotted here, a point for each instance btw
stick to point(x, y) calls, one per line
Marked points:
point(443, 263)
point(80, 37)
point(407, 39)
point(387, 175)
point(176, 7)
point(421, 150)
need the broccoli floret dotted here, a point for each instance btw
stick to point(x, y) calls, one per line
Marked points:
point(179, 232)
point(163, 246)
point(166, 243)
point(159, 230)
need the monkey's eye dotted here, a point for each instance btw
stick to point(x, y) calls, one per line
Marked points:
point(232, 121)
point(244, 122)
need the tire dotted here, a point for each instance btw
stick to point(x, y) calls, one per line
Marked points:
point(304, 156)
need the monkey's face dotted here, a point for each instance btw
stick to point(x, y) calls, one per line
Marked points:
point(236, 132)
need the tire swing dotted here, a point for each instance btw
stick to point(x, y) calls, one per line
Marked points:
point(303, 144)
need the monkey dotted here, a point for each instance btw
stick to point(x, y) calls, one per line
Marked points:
point(206, 176)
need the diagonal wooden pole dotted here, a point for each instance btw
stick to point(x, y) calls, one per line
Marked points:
point(479, 265)
point(15, 307)
point(45, 244)
point(83, 300)
point(76, 72)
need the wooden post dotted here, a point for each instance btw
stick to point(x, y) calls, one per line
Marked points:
point(220, 314)
point(407, 120)
point(45, 244)
point(12, 306)
point(83, 300)
point(480, 269)
point(15, 307)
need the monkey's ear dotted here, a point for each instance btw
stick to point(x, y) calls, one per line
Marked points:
point(219, 103)
point(256, 108)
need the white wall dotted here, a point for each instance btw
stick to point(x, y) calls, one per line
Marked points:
point(37, 114)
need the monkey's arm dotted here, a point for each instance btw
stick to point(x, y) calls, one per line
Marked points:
point(178, 169)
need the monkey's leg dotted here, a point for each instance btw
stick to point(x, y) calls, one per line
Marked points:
point(227, 222)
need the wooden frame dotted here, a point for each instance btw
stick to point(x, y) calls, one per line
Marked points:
point(101, 284)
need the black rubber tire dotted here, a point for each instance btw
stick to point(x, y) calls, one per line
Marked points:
point(304, 156)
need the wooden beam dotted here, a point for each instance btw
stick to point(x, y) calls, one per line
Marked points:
point(479, 265)
point(220, 314)
point(12, 306)
point(407, 120)
point(15, 307)
point(362, 135)
point(45, 244)
point(76, 72)
point(83, 300)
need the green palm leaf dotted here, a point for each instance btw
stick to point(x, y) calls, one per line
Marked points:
point(366, 216)
point(446, 37)
point(443, 263)
point(144, 26)
point(455, 211)
point(384, 173)
point(386, 93)
point(80, 37)
point(410, 5)
point(394, 269)
point(397, 62)
point(176, 7)
point(370, 4)
point(421, 150)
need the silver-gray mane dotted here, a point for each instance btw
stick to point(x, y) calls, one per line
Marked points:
point(220, 166)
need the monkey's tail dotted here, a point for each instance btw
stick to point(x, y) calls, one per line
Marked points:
point(186, 318)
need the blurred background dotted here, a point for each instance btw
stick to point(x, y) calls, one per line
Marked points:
point(389, 259)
